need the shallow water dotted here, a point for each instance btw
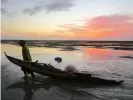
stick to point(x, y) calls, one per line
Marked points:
point(105, 63)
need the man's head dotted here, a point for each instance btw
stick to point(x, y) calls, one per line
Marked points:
point(22, 42)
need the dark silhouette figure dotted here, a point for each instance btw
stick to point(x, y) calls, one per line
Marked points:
point(26, 57)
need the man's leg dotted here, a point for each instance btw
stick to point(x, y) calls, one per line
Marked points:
point(25, 73)
point(32, 74)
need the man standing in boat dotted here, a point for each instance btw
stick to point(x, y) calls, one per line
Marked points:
point(26, 57)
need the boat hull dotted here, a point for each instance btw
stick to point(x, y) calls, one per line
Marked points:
point(49, 70)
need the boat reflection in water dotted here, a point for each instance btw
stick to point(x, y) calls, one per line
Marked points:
point(72, 88)
point(31, 86)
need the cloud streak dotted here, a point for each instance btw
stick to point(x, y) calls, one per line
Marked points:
point(32, 7)
point(33, 11)
point(4, 1)
point(51, 6)
point(3, 11)
point(59, 5)
point(111, 27)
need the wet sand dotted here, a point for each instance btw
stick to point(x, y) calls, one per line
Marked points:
point(100, 62)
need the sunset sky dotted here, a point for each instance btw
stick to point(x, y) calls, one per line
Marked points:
point(67, 19)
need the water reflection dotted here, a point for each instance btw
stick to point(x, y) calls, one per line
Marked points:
point(31, 86)
point(61, 90)
point(69, 89)
point(103, 54)
point(16, 50)
point(51, 53)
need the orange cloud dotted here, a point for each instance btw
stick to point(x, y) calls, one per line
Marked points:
point(105, 27)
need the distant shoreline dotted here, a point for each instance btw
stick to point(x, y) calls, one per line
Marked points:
point(74, 43)
point(116, 45)
point(89, 41)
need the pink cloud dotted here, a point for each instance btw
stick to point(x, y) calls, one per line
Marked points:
point(105, 27)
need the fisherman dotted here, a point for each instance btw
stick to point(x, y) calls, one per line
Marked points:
point(26, 57)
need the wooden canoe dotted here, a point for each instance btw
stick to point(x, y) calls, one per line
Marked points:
point(49, 70)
